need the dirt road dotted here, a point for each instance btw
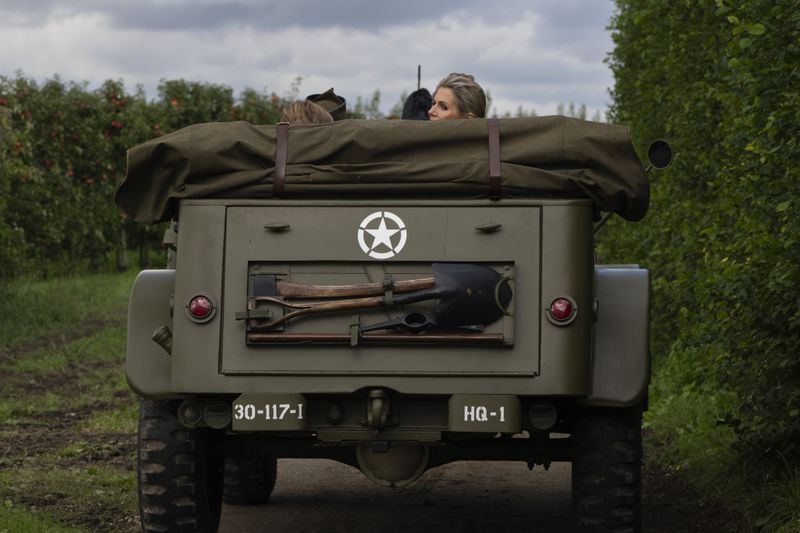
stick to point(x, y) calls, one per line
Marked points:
point(59, 458)
point(324, 496)
point(314, 496)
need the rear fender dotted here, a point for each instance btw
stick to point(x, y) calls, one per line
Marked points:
point(621, 363)
point(147, 365)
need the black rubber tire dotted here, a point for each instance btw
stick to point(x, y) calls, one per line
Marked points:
point(249, 480)
point(607, 470)
point(180, 481)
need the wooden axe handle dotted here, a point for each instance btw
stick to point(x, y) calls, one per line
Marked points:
point(289, 289)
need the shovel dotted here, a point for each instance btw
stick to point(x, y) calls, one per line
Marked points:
point(468, 294)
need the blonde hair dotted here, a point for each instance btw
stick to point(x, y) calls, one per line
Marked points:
point(305, 112)
point(469, 96)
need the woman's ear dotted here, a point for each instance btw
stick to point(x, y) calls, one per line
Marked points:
point(470, 115)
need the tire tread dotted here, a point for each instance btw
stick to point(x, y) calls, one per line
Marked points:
point(606, 470)
point(179, 481)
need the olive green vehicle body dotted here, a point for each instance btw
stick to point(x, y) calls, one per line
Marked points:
point(543, 247)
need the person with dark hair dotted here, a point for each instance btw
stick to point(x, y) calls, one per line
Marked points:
point(458, 96)
point(417, 104)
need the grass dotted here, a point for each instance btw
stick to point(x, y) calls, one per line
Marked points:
point(121, 420)
point(76, 494)
point(14, 410)
point(31, 311)
point(67, 417)
point(685, 419)
point(15, 519)
point(69, 377)
point(103, 346)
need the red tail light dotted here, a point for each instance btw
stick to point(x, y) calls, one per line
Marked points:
point(561, 311)
point(200, 308)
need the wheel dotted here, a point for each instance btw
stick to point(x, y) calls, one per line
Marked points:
point(607, 470)
point(180, 480)
point(249, 480)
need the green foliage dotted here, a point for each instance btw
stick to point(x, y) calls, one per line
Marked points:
point(22, 519)
point(11, 236)
point(63, 150)
point(185, 103)
point(687, 420)
point(718, 80)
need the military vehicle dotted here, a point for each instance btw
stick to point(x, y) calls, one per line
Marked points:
point(394, 295)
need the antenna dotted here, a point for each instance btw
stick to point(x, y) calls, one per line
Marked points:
point(419, 76)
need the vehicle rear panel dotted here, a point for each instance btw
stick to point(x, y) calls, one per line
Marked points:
point(225, 246)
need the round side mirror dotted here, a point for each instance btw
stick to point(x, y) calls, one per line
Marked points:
point(659, 154)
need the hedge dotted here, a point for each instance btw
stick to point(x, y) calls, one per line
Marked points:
point(719, 80)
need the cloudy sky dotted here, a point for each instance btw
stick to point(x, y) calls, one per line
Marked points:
point(530, 53)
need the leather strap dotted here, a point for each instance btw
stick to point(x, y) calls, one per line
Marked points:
point(281, 154)
point(495, 175)
point(388, 291)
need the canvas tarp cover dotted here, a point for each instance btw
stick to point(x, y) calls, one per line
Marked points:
point(543, 156)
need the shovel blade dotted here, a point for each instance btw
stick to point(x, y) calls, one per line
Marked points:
point(471, 294)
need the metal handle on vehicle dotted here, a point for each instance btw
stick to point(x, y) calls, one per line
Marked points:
point(277, 227)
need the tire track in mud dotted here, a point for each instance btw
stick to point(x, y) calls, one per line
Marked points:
point(26, 383)
point(41, 442)
point(57, 341)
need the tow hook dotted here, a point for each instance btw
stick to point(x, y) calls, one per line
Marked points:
point(377, 409)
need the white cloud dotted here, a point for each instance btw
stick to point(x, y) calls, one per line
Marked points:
point(526, 57)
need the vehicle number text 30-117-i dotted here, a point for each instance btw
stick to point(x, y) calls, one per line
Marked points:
point(268, 411)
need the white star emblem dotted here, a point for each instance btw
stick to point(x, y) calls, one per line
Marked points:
point(384, 237)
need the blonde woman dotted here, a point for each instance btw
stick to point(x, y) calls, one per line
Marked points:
point(458, 96)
